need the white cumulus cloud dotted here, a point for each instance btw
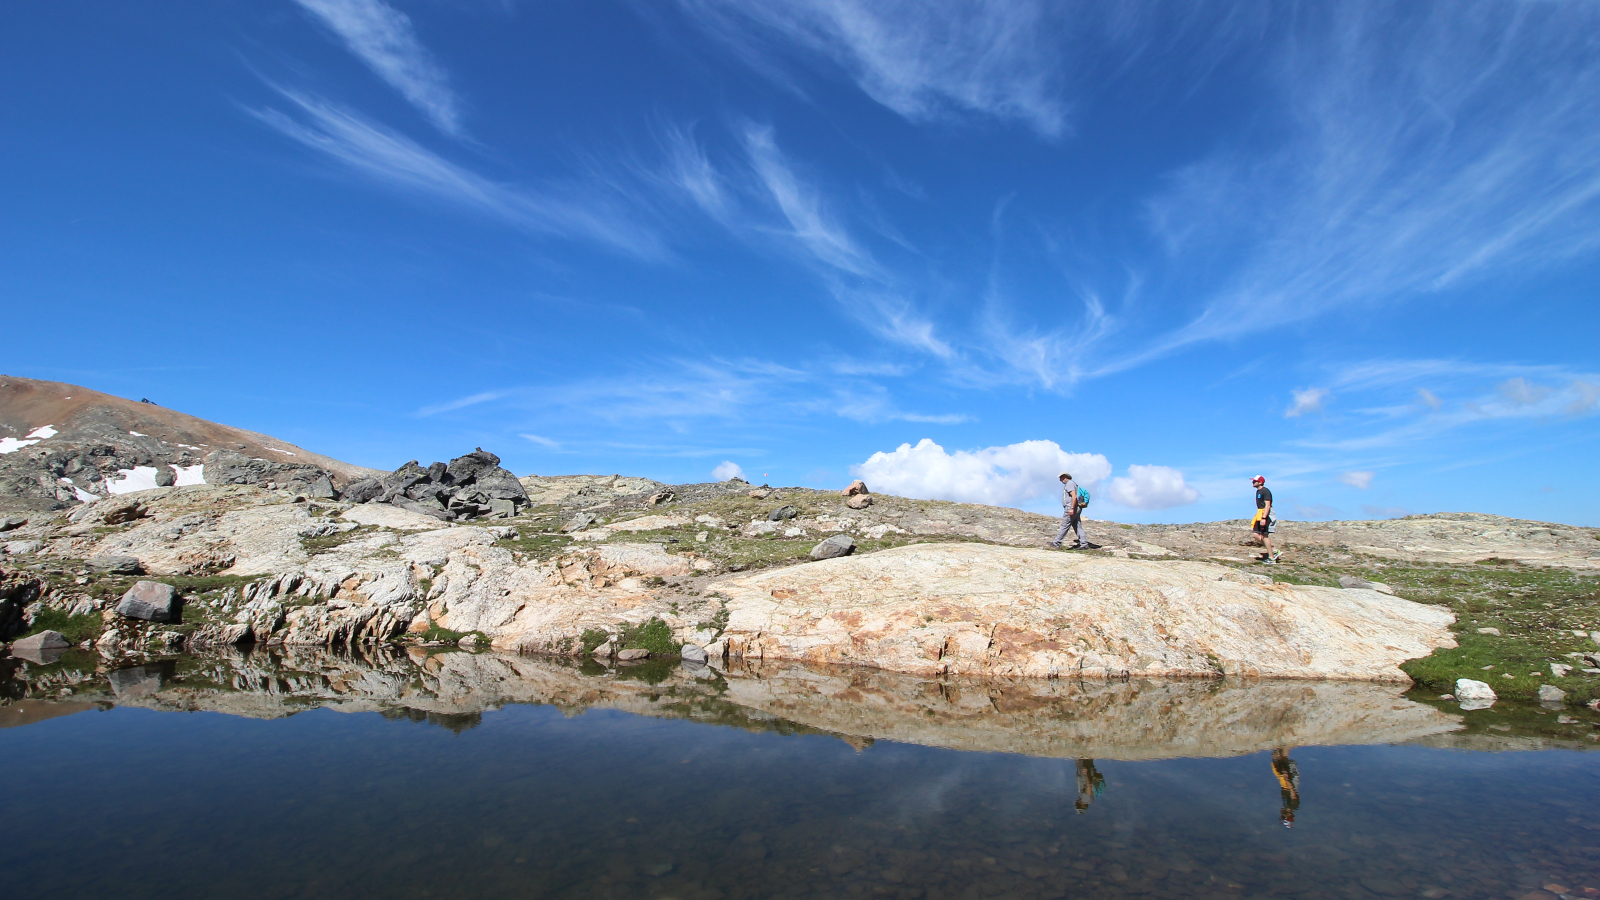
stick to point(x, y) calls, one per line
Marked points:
point(727, 469)
point(1310, 400)
point(999, 476)
point(1152, 487)
point(1358, 480)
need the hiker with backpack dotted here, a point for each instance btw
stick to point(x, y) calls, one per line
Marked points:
point(1074, 498)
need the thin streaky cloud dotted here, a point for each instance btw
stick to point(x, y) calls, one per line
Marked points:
point(383, 38)
point(575, 211)
point(462, 403)
point(544, 442)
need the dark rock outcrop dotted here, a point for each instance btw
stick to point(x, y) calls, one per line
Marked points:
point(836, 546)
point(468, 487)
point(17, 592)
point(230, 467)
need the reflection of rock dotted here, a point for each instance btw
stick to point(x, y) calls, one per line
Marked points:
point(1128, 720)
point(44, 648)
point(1005, 611)
point(138, 681)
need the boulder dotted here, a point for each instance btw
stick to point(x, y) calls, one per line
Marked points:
point(363, 490)
point(603, 651)
point(693, 653)
point(44, 640)
point(230, 467)
point(856, 487)
point(114, 565)
point(782, 513)
point(151, 601)
point(859, 501)
point(1356, 583)
point(15, 548)
point(1549, 693)
point(468, 487)
point(120, 510)
point(578, 522)
point(1474, 694)
point(12, 523)
point(838, 545)
point(632, 655)
point(980, 609)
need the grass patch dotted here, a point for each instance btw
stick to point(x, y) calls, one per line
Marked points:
point(592, 638)
point(444, 635)
point(323, 543)
point(654, 635)
point(76, 629)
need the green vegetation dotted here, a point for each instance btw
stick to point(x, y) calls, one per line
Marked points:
point(592, 638)
point(1543, 614)
point(315, 545)
point(654, 635)
point(436, 634)
point(75, 629)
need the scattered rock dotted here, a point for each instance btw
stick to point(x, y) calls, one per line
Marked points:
point(658, 498)
point(782, 513)
point(504, 533)
point(1474, 694)
point(15, 548)
point(603, 651)
point(151, 601)
point(838, 545)
point(761, 493)
point(1355, 582)
point(44, 640)
point(633, 654)
point(859, 501)
point(12, 523)
point(856, 487)
point(1560, 670)
point(114, 565)
point(1549, 693)
point(230, 467)
point(1491, 630)
point(693, 653)
point(578, 522)
point(702, 537)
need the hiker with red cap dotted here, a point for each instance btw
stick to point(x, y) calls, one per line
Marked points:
point(1265, 523)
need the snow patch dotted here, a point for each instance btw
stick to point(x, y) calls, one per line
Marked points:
point(284, 452)
point(188, 474)
point(136, 434)
point(12, 445)
point(42, 432)
point(138, 478)
point(83, 495)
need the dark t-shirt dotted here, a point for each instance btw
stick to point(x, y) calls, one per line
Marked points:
point(1263, 497)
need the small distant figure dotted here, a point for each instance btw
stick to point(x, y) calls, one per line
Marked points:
point(1091, 784)
point(1288, 775)
point(1265, 523)
point(1073, 499)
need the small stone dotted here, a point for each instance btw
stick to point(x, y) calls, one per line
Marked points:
point(578, 522)
point(1559, 670)
point(693, 653)
point(1595, 636)
point(603, 651)
point(151, 601)
point(1474, 694)
point(504, 533)
point(1566, 720)
point(633, 654)
point(1447, 696)
point(794, 532)
point(760, 493)
point(836, 546)
point(1549, 693)
point(114, 565)
point(856, 488)
point(1356, 583)
point(782, 513)
point(702, 537)
point(1493, 631)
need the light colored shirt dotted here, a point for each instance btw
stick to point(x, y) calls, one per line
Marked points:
point(1069, 495)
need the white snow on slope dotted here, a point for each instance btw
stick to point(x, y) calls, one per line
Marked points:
point(12, 445)
point(42, 432)
point(136, 434)
point(138, 478)
point(83, 495)
point(284, 452)
point(188, 474)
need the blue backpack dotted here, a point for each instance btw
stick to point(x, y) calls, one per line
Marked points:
point(1083, 497)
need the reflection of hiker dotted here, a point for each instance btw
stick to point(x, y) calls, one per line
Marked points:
point(1288, 784)
point(1073, 499)
point(1091, 784)
point(1265, 523)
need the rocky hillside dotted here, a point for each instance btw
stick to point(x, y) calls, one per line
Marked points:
point(62, 444)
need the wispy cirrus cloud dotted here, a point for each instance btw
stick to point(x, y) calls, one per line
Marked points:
point(383, 38)
point(1416, 159)
point(1310, 400)
point(585, 211)
point(462, 403)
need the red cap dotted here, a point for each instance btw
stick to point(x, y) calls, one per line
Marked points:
point(1259, 478)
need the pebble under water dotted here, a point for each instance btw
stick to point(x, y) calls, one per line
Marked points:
point(558, 799)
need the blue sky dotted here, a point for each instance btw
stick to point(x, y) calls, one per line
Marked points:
point(949, 246)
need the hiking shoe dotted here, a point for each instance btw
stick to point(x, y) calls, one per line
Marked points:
point(1052, 545)
point(1277, 556)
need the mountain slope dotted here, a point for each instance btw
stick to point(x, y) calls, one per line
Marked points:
point(62, 443)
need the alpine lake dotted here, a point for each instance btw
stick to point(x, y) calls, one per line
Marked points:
point(453, 774)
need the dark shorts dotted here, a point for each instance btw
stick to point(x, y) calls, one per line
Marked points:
point(1265, 526)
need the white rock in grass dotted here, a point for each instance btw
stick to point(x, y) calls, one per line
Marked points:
point(1474, 694)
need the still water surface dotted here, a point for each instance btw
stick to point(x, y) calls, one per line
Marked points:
point(484, 777)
